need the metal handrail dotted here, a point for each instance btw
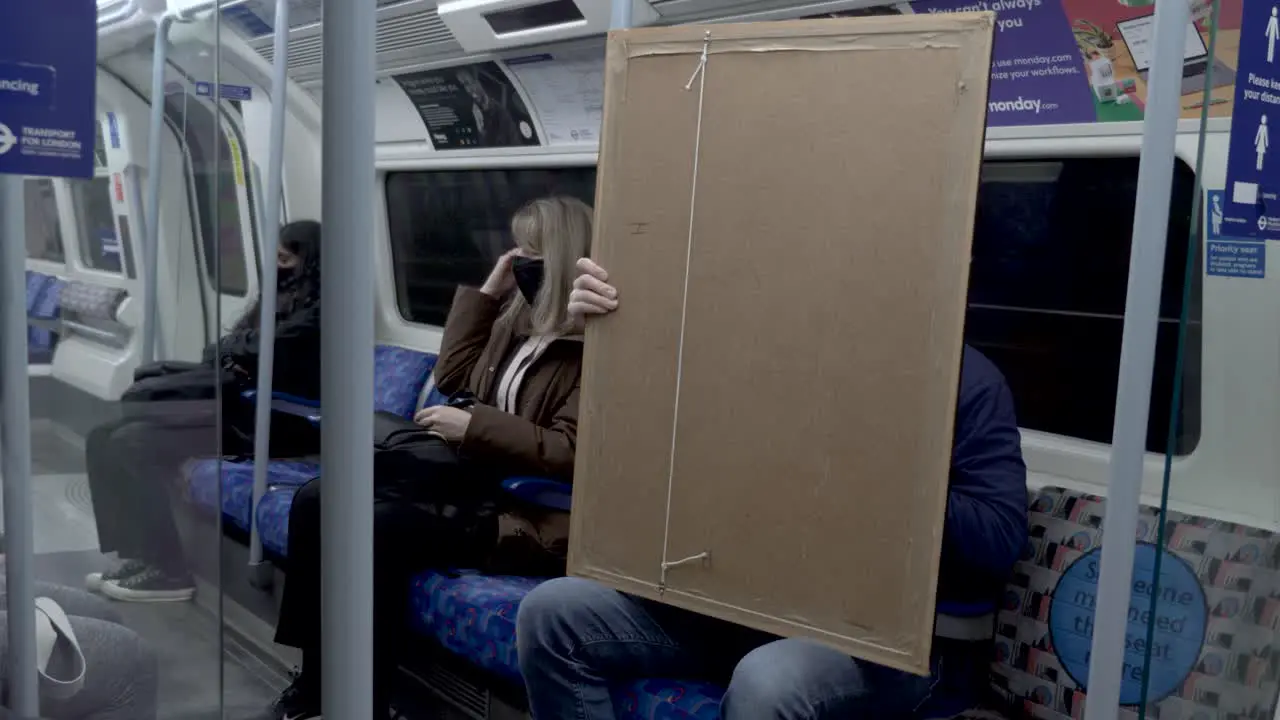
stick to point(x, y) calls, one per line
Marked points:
point(267, 289)
point(151, 222)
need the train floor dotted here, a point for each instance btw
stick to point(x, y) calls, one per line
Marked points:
point(206, 670)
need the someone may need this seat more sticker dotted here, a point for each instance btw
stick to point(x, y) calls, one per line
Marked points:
point(1211, 634)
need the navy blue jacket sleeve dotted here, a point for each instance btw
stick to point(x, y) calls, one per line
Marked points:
point(986, 525)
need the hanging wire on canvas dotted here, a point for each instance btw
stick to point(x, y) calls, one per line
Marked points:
point(699, 76)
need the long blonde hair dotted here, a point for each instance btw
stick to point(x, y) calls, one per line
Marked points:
point(558, 230)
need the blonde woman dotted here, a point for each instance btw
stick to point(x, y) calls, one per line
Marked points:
point(511, 359)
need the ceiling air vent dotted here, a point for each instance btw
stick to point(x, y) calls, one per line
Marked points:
point(401, 36)
point(422, 30)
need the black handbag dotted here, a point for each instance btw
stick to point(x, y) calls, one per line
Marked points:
point(391, 430)
point(159, 382)
point(412, 461)
point(160, 386)
point(414, 465)
point(165, 367)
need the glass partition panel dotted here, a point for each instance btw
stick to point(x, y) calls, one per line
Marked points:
point(1197, 641)
point(44, 229)
point(1211, 636)
point(129, 509)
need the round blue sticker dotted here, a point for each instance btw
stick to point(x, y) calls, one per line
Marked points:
point(1179, 619)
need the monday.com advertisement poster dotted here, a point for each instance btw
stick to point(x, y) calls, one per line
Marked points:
point(1081, 61)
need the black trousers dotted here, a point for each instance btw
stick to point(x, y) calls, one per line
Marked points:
point(133, 466)
point(406, 540)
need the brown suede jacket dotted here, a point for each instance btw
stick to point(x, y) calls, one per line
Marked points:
point(541, 436)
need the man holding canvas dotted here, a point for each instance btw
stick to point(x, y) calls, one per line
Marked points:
point(577, 638)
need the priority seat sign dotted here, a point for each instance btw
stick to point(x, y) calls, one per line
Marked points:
point(48, 73)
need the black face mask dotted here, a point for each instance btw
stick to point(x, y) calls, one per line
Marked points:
point(286, 279)
point(528, 272)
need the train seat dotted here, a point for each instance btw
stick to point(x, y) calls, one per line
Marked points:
point(36, 283)
point(202, 488)
point(471, 615)
point(273, 519)
point(474, 616)
point(1216, 596)
point(1215, 605)
point(43, 308)
point(90, 310)
point(1217, 619)
point(400, 377)
point(91, 301)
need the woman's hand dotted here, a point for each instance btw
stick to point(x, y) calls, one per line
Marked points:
point(592, 294)
point(449, 423)
point(501, 280)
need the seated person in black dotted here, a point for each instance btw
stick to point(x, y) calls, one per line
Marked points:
point(132, 461)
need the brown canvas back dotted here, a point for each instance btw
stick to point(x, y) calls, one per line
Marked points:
point(770, 410)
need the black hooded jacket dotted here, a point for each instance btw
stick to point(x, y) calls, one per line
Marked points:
point(296, 369)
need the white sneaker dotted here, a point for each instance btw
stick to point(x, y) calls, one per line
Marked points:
point(93, 582)
point(150, 586)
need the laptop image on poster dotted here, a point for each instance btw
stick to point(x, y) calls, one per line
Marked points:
point(1137, 34)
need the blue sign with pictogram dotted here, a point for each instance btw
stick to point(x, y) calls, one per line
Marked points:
point(48, 72)
point(225, 91)
point(1227, 256)
point(1253, 160)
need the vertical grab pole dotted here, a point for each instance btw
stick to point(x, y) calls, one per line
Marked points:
point(151, 223)
point(15, 452)
point(346, 366)
point(621, 18)
point(1137, 356)
point(267, 291)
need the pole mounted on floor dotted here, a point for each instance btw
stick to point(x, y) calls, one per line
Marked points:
point(1137, 359)
point(15, 452)
point(621, 17)
point(346, 363)
point(151, 221)
point(260, 573)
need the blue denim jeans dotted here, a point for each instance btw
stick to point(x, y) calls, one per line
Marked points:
point(576, 639)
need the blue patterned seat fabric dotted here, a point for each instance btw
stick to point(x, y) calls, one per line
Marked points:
point(37, 353)
point(474, 617)
point(36, 283)
point(235, 495)
point(273, 519)
point(43, 295)
point(48, 304)
point(237, 483)
point(399, 376)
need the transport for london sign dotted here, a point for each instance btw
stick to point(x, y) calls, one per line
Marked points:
point(48, 56)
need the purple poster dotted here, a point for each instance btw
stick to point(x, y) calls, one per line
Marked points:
point(1037, 76)
point(1084, 61)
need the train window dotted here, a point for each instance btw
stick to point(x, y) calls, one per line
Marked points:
point(100, 149)
point(100, 246)
point(44, 230)
point(216, 194)
point(1047, 289)
point(448, 228)
point(126, 241)
point(1047, 292)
